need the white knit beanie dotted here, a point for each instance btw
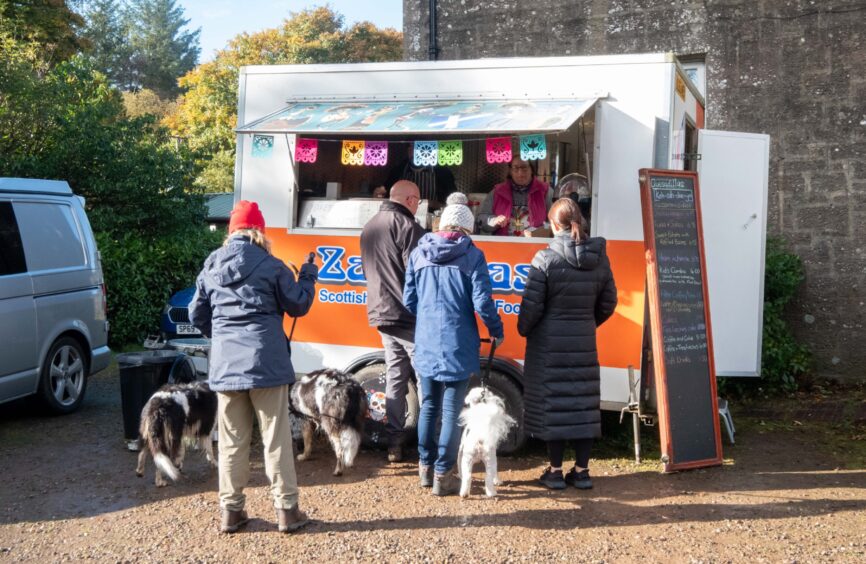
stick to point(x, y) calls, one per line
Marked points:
point(457, 213)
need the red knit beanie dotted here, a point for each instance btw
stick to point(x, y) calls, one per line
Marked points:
point(246, 215)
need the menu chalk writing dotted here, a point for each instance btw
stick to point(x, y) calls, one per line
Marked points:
point(679, 319)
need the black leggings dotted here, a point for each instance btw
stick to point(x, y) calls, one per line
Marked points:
point(556, 450)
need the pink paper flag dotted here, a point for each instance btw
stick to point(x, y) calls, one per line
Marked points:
point(306, 150)
point(498, 149)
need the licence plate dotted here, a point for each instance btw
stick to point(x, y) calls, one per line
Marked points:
point(187, 329)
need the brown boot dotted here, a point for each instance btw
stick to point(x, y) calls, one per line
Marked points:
point(290, 520)
point(231, 521)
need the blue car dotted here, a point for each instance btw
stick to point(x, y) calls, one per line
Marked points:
point(174, 323)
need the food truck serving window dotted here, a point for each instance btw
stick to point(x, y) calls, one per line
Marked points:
point(340, 188)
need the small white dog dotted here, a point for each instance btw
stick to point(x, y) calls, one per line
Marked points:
point(485, 426)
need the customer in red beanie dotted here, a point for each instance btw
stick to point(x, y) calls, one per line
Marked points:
point(246, 215)
point(241, 296)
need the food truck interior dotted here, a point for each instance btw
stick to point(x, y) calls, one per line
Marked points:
point(323, 183)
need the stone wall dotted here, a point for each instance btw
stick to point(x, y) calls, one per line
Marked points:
point(791, 68)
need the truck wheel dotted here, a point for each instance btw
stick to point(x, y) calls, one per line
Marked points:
point(504, 387)
point(372, 379)
point(64, 376)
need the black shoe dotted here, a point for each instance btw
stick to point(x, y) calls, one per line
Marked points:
point(552, 480)
point(579, 480)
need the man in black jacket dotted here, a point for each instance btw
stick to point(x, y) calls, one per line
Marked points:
point(386, 243)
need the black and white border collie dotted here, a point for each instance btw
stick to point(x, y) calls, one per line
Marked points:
point(485, 425)
point(336, 403)
point(174, 413)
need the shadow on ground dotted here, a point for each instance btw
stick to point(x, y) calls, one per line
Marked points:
point(76, 466)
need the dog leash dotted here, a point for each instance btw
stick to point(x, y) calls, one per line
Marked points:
point(310, 259)
point(485, 374)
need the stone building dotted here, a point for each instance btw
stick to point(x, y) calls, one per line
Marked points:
point(794, 69)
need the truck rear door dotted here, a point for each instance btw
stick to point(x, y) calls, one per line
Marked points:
point(732, 171)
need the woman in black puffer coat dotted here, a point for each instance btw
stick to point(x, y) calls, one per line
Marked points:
point(569, 292)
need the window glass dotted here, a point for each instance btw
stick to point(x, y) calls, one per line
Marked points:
point(697, 73)
point(11, 251)
point(50, 234)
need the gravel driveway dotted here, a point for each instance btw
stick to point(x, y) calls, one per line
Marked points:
point(69, 493)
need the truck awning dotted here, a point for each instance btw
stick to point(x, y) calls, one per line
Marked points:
point(423, 117)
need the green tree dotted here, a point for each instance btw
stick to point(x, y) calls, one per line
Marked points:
point(52, 24)
point(68, 122)
point(105, 31)
point(162, 50)
point(207, 113)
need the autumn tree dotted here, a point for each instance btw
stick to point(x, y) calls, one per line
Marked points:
point(207, 113)
point(147, 103)
point(51, 24)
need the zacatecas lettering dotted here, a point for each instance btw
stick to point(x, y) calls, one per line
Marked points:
point(335, 270)
point(338, 268)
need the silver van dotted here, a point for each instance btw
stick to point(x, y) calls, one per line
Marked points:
point(53, 325)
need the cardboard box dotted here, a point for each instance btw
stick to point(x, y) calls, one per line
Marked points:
point(540, 232)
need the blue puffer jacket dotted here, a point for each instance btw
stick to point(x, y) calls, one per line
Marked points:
point(447, 281)
point(240, 298)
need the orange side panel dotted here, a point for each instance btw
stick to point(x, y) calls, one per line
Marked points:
point(619, 339)
point(339, 317)
point(331, 323)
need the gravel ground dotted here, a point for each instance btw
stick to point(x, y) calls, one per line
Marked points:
point(69, 493)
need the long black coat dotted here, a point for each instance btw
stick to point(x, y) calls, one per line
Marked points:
point(569, 292)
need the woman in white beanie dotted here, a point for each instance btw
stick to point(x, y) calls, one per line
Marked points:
point(447, 281)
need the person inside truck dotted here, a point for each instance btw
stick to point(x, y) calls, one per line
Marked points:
point(517, 206)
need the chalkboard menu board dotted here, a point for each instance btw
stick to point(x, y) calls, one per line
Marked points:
point(679, 320)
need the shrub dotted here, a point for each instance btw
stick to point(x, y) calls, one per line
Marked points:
point(141, 272)
point(784, 361)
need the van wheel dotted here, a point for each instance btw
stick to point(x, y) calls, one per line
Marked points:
point(504, 387)
point(64, 376)
point(372, 379)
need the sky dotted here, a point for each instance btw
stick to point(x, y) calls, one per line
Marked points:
point(220, 20)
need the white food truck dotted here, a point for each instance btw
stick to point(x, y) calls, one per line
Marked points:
point(303, 128)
